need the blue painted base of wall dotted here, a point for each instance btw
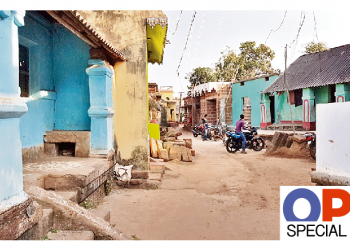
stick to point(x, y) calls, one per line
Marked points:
point(11, 177)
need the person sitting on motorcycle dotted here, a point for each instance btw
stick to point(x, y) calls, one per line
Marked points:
point(205, 123)
point(239, 127)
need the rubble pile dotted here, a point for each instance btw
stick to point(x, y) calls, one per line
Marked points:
point(172, 148)
point(289, 145)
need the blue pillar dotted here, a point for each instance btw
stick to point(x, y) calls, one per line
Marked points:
point(11, 109)
point(101, 107)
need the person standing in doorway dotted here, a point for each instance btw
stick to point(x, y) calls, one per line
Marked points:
point(205, 123)
point(239, 127)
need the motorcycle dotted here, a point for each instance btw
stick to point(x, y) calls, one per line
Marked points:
point(234, 141)
point(196, 131)
point(311, 144)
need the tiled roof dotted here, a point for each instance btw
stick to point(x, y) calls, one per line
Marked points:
point(105, 44)
point(315, 70)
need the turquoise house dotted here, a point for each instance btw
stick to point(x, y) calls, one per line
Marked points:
point(246, 98)
point(312, 79)
point(55, 91)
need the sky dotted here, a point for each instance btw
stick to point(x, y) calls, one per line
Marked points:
point(213, 30)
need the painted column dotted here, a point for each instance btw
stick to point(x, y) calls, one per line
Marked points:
point(101, 107)
point(309, 111)
point(11, 109)
point(342, 92)
point(265, 111)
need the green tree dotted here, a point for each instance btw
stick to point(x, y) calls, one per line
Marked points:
point(252, 61)
point(313, 47)
point(201, 75)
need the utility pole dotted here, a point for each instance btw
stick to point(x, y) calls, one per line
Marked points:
point(180, 106)
point(285, 82)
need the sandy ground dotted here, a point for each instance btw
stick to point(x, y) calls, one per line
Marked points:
point(218, 196)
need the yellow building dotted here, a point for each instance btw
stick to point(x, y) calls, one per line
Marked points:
point(140, 36)
point(169, 102)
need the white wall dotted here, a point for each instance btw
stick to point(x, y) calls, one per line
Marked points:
point(333, 138)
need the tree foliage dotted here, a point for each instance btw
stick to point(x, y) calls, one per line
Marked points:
point(252, 61)
point(313, 47)
point(201, 75)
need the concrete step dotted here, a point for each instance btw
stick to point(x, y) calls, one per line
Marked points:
point(46, 221)
point(157, 167)
point(69, 195)
point(86, 179)
point(71, 235)
point(155, 176)
point(103, 214)
point(156, 160)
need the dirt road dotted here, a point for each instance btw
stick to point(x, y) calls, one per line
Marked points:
point(218, 196)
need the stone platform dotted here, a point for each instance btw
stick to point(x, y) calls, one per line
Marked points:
point(83, 175)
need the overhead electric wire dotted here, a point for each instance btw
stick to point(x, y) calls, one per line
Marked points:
point(212, 44)
point(295, 41)
point(188, 35)
point(177, 24)
point(315, 29)
point(277, 28)
point(199, 36)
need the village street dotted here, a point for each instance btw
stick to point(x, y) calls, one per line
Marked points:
point(218, 196)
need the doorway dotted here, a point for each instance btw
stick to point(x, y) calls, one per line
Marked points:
point(272, 108)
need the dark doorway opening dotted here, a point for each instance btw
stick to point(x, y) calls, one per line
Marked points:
point(66, 149)
point(272, 108)
point(332, 93)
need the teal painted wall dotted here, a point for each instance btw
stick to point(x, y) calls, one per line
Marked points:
point(71, 56)
point(283, 111)
point(253, 90)
point(57, 62)
point(322, 94)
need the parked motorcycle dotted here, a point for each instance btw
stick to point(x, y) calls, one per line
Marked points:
point(196, 131)
point(311, 144)
point(234, 141)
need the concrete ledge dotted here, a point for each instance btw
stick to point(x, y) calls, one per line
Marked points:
point(80, 138)
point(325, 179)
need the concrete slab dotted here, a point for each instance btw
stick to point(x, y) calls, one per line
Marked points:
point(67, 173)
point(71, 235)
point(103, 214)
point(69, 195)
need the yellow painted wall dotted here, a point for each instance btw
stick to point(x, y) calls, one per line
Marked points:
point(126, 30)
point(167, 94)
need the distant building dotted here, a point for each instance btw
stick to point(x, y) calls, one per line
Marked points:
point(246, 97)
point(321, 77)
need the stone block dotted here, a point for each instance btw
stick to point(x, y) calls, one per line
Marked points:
point(193, 152)
point(289, 142)
point(188, 143)
point(154, 148)
point(163, 154)
point(170, 134)
point(299, 138)
point(174, 153)
point(71, 235)
point(276, 141)
point(159, 146)
point(186, 154)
